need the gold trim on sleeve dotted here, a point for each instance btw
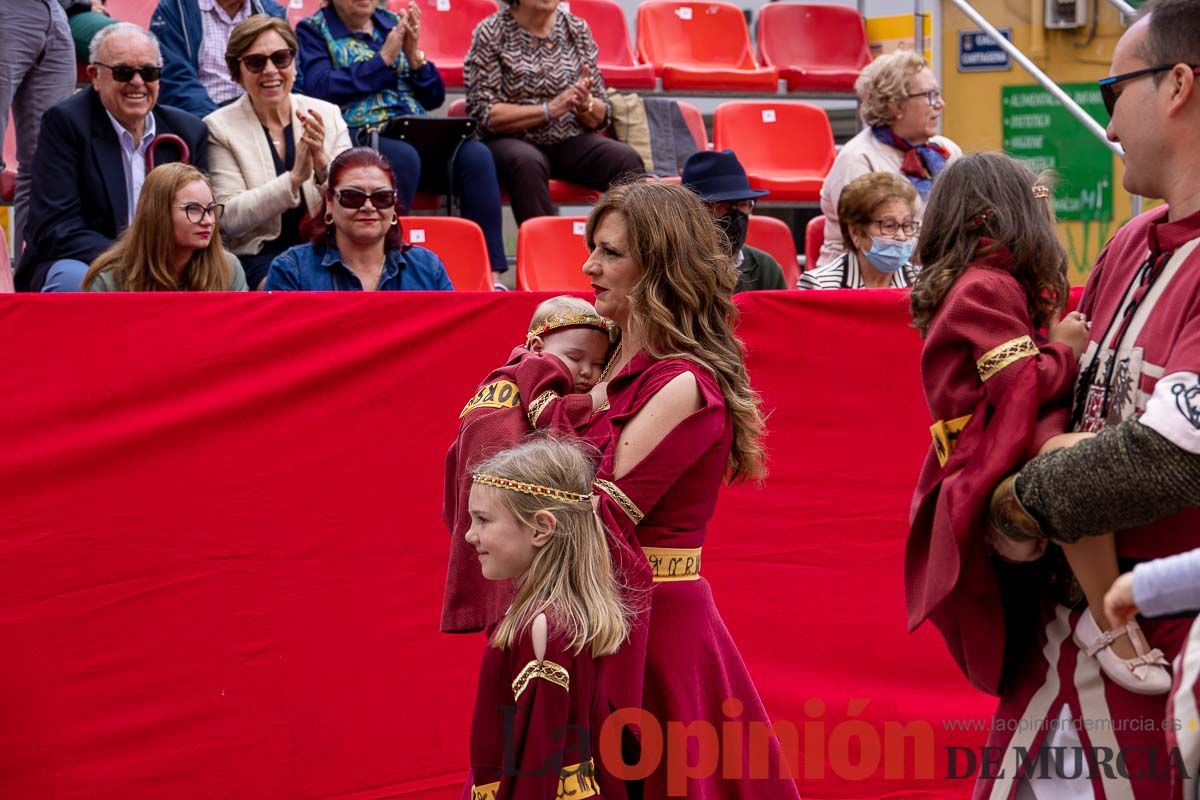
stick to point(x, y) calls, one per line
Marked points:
point(945, 434)
point(488, 791)
point(577, 781)
point(674, 563)
point(1000, 357)
point(622, 499)
point(498, 394)
point(535, 409)
point(546, 670)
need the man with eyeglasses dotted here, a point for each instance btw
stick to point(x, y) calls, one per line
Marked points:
point(719, 180)
point(93, 154)
point(194, 35)
point(1139, 391)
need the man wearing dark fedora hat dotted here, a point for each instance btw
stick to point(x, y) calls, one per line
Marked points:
point(718, 179)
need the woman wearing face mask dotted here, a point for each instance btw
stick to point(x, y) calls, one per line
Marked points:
point(876, 213)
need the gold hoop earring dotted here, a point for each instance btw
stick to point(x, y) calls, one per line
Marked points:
point(328, 218)
point(395, 221)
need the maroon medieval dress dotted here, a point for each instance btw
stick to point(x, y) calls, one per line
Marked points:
point(530, 392)
point(663, 506)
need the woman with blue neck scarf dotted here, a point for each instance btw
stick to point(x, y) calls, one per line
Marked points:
point(877, 217)
point(901, 106)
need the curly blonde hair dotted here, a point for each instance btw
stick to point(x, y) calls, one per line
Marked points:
point(682, 305)
point(883, 86)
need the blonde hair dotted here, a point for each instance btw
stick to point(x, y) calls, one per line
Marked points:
point(883, 86)
point(862, 196)
point(246, 33)
point(682, 305)
point(571, 579)
point(143, 259)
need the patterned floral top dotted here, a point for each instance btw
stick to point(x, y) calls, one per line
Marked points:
point(508, 64)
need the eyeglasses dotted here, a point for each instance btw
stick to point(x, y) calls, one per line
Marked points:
point(257, 62)
point(933, 96)
point(354, 198)
point(123, 73)
point(1109, 95)
point(889, 227)
point(196, 212)
point(722, 207)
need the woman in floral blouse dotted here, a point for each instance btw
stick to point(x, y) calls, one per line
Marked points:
point(534, 86)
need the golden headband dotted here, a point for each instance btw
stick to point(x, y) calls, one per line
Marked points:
point(556, 321)
point(1041, 192)
point(530, 488)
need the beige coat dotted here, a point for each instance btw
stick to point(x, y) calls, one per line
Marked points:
point(243, 172)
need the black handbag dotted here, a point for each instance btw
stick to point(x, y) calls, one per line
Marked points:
point(437, 139)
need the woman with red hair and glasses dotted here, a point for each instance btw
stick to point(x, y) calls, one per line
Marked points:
point(356, 243)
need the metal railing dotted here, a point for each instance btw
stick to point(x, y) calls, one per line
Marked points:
point(1047, 83)
point(1124, 7)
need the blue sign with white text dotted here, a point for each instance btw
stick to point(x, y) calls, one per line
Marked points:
point(978, 52)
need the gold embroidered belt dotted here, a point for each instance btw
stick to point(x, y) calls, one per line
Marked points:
point(945, 434)
point(674, 563)
point(576, 781)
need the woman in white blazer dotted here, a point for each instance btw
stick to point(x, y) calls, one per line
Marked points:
point(269, 150)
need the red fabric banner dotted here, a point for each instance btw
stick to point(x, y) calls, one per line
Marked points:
point(222, 558)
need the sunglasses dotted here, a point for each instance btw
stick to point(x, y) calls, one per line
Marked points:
point(1109, 95)
point(382, 199)
point(257, 62)
point(123, 73)
point(196, 212)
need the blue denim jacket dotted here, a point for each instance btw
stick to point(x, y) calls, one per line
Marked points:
point(304, 268)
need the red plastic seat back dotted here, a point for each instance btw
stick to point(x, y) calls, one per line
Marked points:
point(693, 34)
point(447, 25)
point(800, 35)
point(458, 243)
point(775, 237)
point(550, 255)
point(136, 11)
point(814, 238)
point(771, 136)
point(607, 21)
point(695, 123)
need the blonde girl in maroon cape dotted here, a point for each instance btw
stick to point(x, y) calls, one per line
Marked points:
point(540, 705)
point(994, 274)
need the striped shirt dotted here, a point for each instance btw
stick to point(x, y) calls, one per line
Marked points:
point(843, 273)
point(214, 72)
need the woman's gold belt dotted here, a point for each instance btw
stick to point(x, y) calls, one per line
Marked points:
point(576, 781)
point(674, 563)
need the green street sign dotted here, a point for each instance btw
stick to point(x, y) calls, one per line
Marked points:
point(1044, 135)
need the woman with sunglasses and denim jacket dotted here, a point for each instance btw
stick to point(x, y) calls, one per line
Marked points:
point(173, 243)
point(269, 150)
point(357, 244)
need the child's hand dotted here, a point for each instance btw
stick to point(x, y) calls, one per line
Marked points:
point(1071, 330)
point(599, 394)
point(1118, 601)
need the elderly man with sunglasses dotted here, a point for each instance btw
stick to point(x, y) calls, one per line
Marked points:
point(194, 36)
point(1139, 391)
point(93, 154)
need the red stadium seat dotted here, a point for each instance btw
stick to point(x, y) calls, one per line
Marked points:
point(561, 192)
point(617, 65)
point(458, 243)
point(786, 148)
point(306, 9)
point(550, 255)
point(775, 237)
point(815, 48)
point(814, 238)
point(6, 275)
point(136, 11)
point(700, 46)
point(446, 28)
point(695, 123)
point(8, 178)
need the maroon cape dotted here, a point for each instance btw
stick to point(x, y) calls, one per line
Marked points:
point(983, 327)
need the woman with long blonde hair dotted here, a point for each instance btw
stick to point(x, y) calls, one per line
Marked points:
point(173, 243)
point(540, 704)
point(682, 419)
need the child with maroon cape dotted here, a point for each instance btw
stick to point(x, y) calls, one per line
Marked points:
point(994, 274)
point(540, 703)
point(543, 386)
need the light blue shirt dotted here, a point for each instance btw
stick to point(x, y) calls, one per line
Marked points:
point(133, 159)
